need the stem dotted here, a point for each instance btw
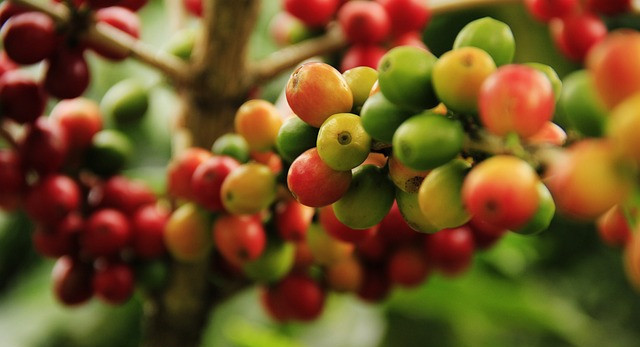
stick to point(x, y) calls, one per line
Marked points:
point(440, 7)
point(108, 36)
point(290, 56)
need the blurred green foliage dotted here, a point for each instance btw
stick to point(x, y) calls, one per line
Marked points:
point(563, 287)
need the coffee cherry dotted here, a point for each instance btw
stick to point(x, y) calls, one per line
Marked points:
point(545, 10)
point(274, 304)
point(44, 148)
point(357, 55)
point(394, 229)
point(193, 6)
point(6, 64)
point(404, 75)
point(52, 199)
point(410, 38)
point(285, 29)
point(61, 239)
point(345, 275)
point(572, 179)
point(549, 134)
point(624, 122)
point(342, 142)
point(29, 37)
point(576, 34)
point(273, 264)
point(316, 91)
point(502, 191)
point(375, 285)
point(368, 199)
point(133, 5)
point(544, 214)
point(295, 137)
point(9, 9)
point(80, 119)
point(337, 229)
point(234, 146)
point(490, 35)
point(364, 21)
point(122, 194)
point(106, 233)
point(613, 64)
point(326, 249)
point(405, 178)
point(187, 234)
point(581, 104)
point(304, 297)
point(248, 189)
point(109, 153)
point(293, 220)
point(451, 250)
point(180, 171)
point(485, 235)
point(122, 19)
point(409, 206)
point(12, 180)
point(381, 118)
point(428, 140)
point(114, 283)
point(314, 13)
point(313, 183)
point(360, 80)
point(406, 15)
point(608, 7)
point(407, 267)
point(458, 76)
point(258, 121)
point(516, 98)
point(67, 76)
point(551, 74)
point(440, 195)
point(239, 238)
point(126, 102)
point(71, 281)
point(613, 227)
point(21, 98)
point(207, 179)
point(147, 229)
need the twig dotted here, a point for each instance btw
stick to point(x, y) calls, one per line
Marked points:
point(290, 56)
point(440, 7)
point(107, 35)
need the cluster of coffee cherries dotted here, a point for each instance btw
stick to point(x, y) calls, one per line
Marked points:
point(31, 37)
point(371, 27)
point(468, 136)
point(576, 26)
point(234, 200)
point(105, 229)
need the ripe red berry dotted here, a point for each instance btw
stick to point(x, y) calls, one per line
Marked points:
point(608, 7)
point(106, 233)
point(364, 21)
point(545, 10)
point(52, 199)
point(293, 220)
point(21, 98)
point(451, 250)
point(362, 55)
point(61, 239)
point(206, 182)
point(613, 228)
point(180, 172)
point(6, 64)
point(239, 238)
point(394, 229)
point(122, 194)
point(303, 297)
point(133, 5)
point(148, 231)
point(114, 283)
point(67, 76)
point(314, 13)
point(484, 234)
point(576, 34)
point(407, 267)
point(12, 179)
point(80, 119)
point(122, 19)
point(44, 148)
point(29, 37)
point(193, 6)
point(406, 15)
point(72, 281)
point(375, 285)
point(274, 304)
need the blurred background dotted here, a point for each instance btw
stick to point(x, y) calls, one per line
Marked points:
point(562, 287)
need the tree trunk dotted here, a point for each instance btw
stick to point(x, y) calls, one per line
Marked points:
point(218, 84)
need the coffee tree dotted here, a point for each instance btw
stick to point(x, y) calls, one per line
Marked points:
point(376, 167)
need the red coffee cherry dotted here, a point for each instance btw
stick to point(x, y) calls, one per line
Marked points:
point(52, 199)
point(375, 285)
point(340, 231)
point(61, 239)
point(314, 13)
point(122, 19)
point(123, 194)
point(44, 148)
point(407, 267)
point(114, 283)
point(451, 250)
point(106, 233)
point(608, 7)
point(576, 34)
point(545, 10)
point(147, 226)
point(362, 55)
point(6, 64)
point(293, 220)
point(364, 21)
point(21, 98)
point(613, 228)
point(239, 238)
point(12, 180)
point(303, 297)
point(180, 172)
point(29, 37)
point(206, 182)
point(72, 281)
point(406, 15)
point(67, 76)
point(193, 6)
